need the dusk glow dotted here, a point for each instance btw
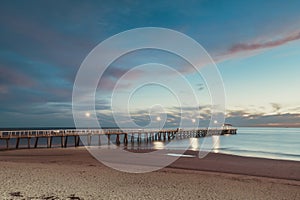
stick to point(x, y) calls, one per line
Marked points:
point(43, 44)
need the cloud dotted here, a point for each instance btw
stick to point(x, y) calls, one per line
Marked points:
point(276, 106)
point(3, 89)
point(264, 44)
point(117, 72)
point(279, 120)
point(111, 76)
point(246, 118)
point(201, 86)
point(10, 76)
point(256, 46)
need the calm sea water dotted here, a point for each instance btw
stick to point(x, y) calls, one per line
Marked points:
point(274, 143)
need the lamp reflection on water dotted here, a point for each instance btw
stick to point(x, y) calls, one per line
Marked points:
point(216, 143)
point(194, 144)
point(158, 145)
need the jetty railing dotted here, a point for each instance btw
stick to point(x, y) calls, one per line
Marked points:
point(127, 135)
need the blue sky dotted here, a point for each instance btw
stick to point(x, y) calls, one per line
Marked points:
point(255, 45)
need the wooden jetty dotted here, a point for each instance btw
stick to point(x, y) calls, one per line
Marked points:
point(125, 136)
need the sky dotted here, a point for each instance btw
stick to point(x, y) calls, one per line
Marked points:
point(255, 45)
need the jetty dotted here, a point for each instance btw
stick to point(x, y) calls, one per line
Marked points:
point(118, 135)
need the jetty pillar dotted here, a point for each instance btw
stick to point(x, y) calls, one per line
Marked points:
point(76, 138)
point(99, 140)
point(89, 138)
point(17, 143)
point(66, 141)
point(132, 138)
point(118, 139)
point(49, 141)
point(108, 139)
point(125, 139)
point(28, 142)
point(146, 137)
point(62, 141)
point(36, 142)
point(78, 141)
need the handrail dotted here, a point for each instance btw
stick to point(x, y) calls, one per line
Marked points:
point(67, 132)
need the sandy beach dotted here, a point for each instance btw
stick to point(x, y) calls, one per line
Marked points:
point(73, 173)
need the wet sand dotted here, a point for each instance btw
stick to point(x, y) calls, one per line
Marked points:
point(73, 173)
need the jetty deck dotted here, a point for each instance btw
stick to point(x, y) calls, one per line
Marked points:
point(120, 136)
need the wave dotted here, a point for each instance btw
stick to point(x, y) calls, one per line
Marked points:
point(243, 151)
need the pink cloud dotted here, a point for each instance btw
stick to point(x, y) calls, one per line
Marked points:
point(111, 77)
point(267, 44)
point(245, 50)
point(10, 76)
point(106, 83)
point(3, 89)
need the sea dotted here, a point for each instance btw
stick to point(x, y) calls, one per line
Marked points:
point(261, 142)
point(273, 143)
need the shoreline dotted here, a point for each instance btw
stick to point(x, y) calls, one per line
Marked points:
point(148, 150)
point(242, 165)
point(212, 162)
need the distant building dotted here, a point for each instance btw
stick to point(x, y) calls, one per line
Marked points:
point(227, 126)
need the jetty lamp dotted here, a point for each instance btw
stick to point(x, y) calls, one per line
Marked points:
point(194, 121)
point(215, 123)
point(158, 119)
point(87, 114)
